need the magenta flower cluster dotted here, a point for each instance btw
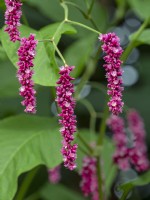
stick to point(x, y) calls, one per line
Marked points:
point(54, 174)
point(66, 102)
point(26, 54)
point(138, 153)
point(116, 124)
point(113, 69)
point(127, 155)
point(12, 18)
point(89, 181)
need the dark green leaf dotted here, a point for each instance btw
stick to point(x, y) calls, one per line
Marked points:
point(9, 85)
point(58, 192)
point(25, 142)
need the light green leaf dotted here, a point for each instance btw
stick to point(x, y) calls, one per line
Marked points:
point(144, 38)
point(9, 84)
point(78, 53)
point(141, 8)
point(45, 65)
point(25, 142)
point(58, 192)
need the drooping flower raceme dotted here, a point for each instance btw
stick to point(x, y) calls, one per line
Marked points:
point(138, 152)
point(112, 65)
point(26, 54)
point(12, 18)
point(89, 180)
point(116, 124)
point(66, 102)
point(54, 175)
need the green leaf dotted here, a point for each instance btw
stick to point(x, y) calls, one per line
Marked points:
point(9, 84)
point(58, 192)
point(25, 142)
point(109, 168)
point(46, 69)
point(141, 8)
point(78, 53)
point(144, 38)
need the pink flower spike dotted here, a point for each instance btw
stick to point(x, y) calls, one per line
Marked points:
point(26, 54)
point(120, 157)
point(66, 102)
point(12, 19)
point(54, 175)
point(138, 153)
point(89, 180)
point(113, 52)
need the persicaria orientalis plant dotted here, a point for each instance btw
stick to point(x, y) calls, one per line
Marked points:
point(120, 126)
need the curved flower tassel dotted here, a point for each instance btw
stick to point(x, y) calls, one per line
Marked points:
point(12, 18)
point(138, 153)
point(66, 102)
point(113, 52)
point(116, 124)
point(89, 180)
point(26, 53)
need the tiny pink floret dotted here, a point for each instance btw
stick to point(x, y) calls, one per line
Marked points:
point(66, 102)
point(26, 54)
point(12, 19)
point(113, 52)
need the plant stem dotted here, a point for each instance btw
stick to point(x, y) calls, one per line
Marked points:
point(99, 175)
point(59, 53)
point(133, 40)
point(65, 7)
point(103, 126)
point(26, 184)
point(84, 26)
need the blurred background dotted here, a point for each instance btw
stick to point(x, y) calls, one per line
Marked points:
point(119, 16)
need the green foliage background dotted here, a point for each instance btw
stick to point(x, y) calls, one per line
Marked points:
point(28, 141)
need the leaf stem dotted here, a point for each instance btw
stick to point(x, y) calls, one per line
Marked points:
point(133, 40)
point(84, 26)
point(26, 184)
point(59, 53)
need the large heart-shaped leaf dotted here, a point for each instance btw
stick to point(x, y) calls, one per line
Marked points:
point(26, 142)
point(46, 69)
